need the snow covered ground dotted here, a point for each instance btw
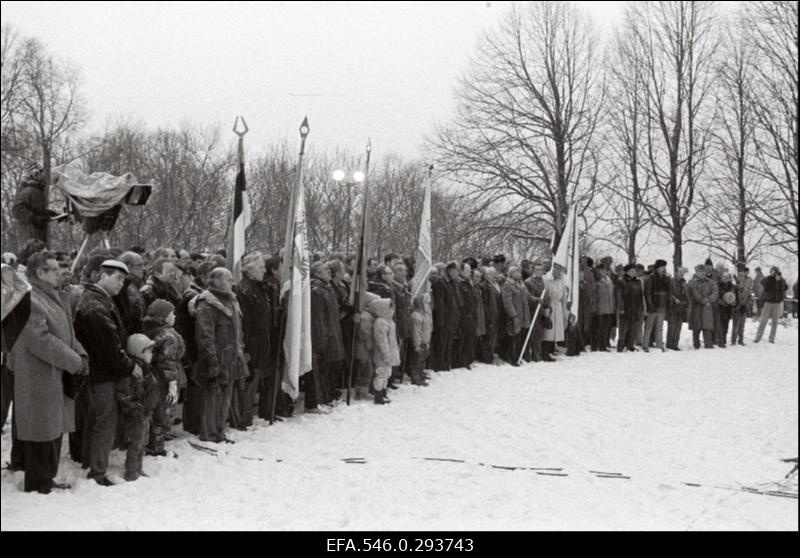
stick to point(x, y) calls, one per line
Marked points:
point(712, 417)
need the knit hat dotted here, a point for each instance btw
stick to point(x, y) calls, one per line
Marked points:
point(160, 308)
point(660, 263)
point(32, 171)
point(137, 343)
point(709, 262)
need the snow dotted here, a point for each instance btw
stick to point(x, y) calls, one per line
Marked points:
point(721, 417)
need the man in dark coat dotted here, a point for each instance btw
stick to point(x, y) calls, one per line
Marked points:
point(464, 345)
point(402, 319)
point(326, 339)
point(256, 319)
point(535, 286)
point(678, 308)
point(586, 303)
point(446, 317)
point(630, 307)
point(703, 293)
point(30, 207)
point(493, 317)
point(161, 284)
point(220, 349)
point(130, 300)
point(656, 296)
point(100, 329)
point(775, 288)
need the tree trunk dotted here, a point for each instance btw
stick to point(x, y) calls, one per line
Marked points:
point(677, 254)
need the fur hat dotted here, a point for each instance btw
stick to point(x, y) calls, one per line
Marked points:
point(629, 266)
point(660, 263)
point(137, 344)
point(160, 308)
point(473, 263)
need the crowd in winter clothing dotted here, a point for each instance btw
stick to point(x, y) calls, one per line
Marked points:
point(106, 359)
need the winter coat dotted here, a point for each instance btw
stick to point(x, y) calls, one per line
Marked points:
point(44, 352)
point(253, 298)
point(30, 211)
point(726, 310)
point(220, 345)
point(587, 296)
point(744, 290)
point(446, 309)
point(138, 398)
point(774, 289)
point(555, 299)
point(402, 310)
point(422, 328)
point(132, 309)
point(185, 314)
point(100, 329)
point(492, 307)
point(365, 340)
point(480, 313)
point(155, 288)
point(168, 352)
point(656, 293)
point(386, 352)
point(381, 289)
point(630, 301)
point(702, 296)
point(326, 330)
point(758, 285)
point(678, 294)
point(516, 306)
point(467, 309)
point(536, 288)
point(604, 296)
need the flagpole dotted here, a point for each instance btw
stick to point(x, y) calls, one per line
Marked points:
point(357, 286)
point(288, 255)
point(231, 234)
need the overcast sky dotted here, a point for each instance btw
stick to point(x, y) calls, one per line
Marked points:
point(384, 70)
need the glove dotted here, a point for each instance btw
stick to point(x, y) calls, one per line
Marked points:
point(547, 323)
point(172, 395)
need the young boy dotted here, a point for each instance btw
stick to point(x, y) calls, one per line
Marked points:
point(167, 354)
point(137, 399)
point(421, 337)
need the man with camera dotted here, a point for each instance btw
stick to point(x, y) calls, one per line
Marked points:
point(775, 287)
point(30, 206)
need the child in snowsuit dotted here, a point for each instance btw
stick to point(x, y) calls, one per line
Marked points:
point(137, 399)
point(422, 327)
point(365, 342)
point(167, 355)
point(386, 353)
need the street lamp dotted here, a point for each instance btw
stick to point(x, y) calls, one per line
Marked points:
point(339, 175)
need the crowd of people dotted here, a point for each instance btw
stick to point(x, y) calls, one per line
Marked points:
point(107, 357)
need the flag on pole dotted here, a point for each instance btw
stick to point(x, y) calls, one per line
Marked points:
point(240, 220)
point(424, 260)
point(574, 272)
point(359, 281)
point(563, 253)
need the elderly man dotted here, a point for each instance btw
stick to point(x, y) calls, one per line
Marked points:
point(221, 358)
point(703, 294)
point(44, 359)
point(99, 327)
point(516, 304)
point(775, 288)
point(251, 292)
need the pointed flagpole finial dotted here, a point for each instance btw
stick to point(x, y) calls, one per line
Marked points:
point(236, 126)
point(304, 128)
point(369, 145)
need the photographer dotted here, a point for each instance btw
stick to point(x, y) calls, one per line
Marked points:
point(30, 206)
point(775, 287)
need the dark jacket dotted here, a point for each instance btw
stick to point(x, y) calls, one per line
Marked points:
point(774, 288)
point(185, 315)
point(381, 289)
point(678, 294)
point(30, 211)
point(467, 310)
point(656, 292)
point(629, 296)
point(138, 398)
point(516, 303)
point(446, 311)
point(402, 310)
point(702, 296)
point(725, 309)
point(253, 298)
point(220, 346)
point(101, 331)
point(326, 330)
point(168, 351)
point(130, 304)
point(492, 307)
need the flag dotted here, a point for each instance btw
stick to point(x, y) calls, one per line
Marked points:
point(360, 280)
point(240, 220)
point(424, 261)
point(297, 340)
point(574, 270)
point(562, 255)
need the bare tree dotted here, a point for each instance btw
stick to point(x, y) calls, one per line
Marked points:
point(735, 190)
point(678, 42)
point(773, 34)
point(522, 138)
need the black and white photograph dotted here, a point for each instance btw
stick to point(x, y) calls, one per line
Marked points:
point(430, 271)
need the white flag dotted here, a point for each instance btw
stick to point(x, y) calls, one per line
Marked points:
point(424, 261)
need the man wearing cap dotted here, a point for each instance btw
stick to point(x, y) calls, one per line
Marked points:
point(744, 288)
point(630, 306)
point(446, 316)
point(775, 288)
point(657, 299)
point(703, 295)
point(100, 329)
point(679, 305)
point(30, 207)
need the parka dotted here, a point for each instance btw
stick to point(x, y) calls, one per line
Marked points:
point(220, 345)
point(702, 296)
point(386, 352)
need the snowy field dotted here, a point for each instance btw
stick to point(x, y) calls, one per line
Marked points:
point(721, 418)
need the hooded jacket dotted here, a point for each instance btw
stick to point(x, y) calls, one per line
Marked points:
point(168, 351)
point(326, 330)
point(386, 352)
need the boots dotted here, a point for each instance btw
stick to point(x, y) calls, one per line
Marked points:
point(380, 397)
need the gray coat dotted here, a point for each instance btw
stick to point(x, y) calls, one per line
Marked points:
point(46, 348)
